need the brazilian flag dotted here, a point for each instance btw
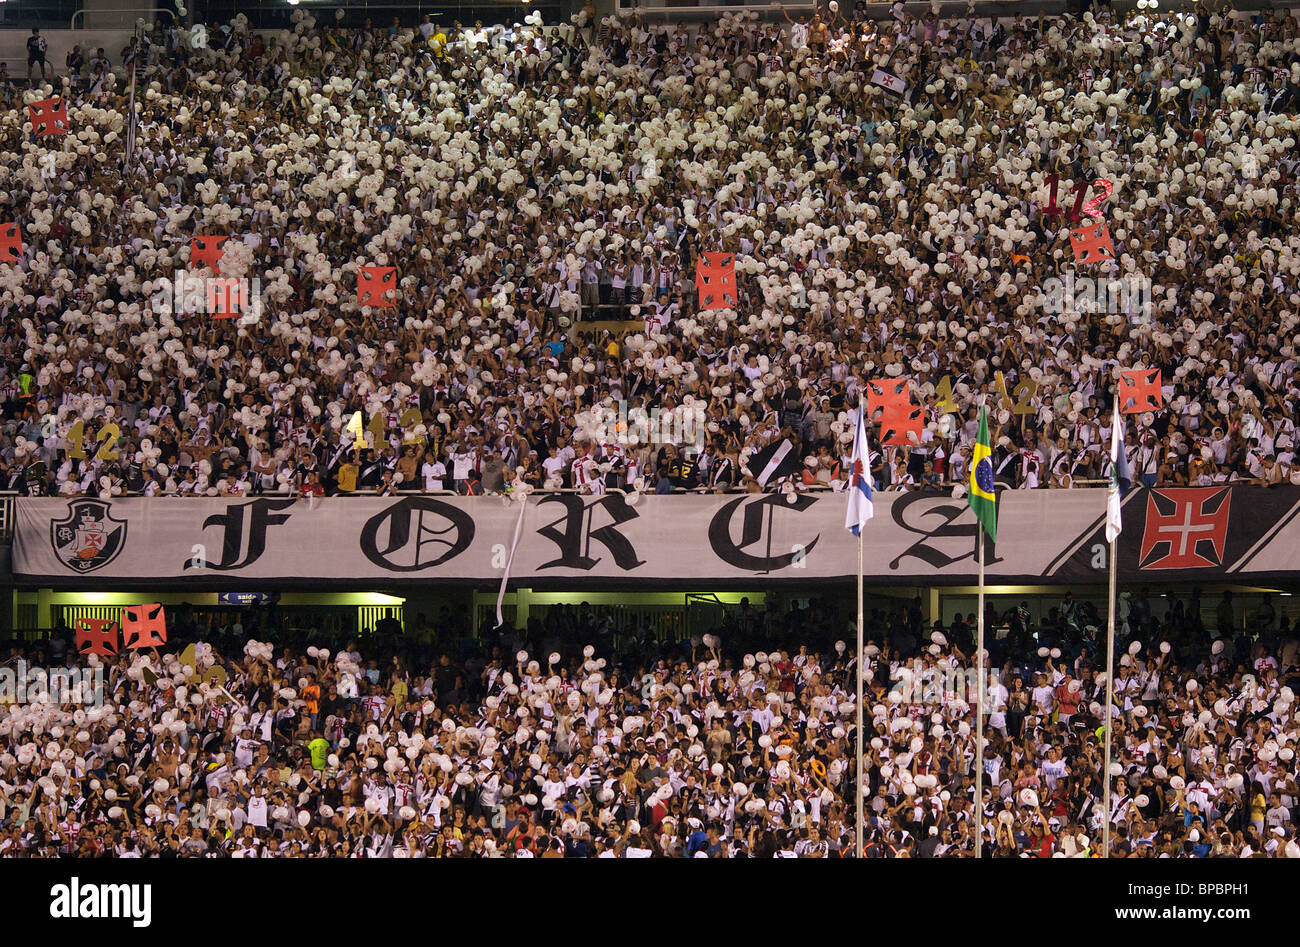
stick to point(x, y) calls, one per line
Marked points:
point(981, 495)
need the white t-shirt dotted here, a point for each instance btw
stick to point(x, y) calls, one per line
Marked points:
point(244, 752)
point(461, 464)
point(1053, 771)
point(433, 475)
point(257, 811)
point(554, 790)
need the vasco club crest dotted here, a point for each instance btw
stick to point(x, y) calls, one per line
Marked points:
point(89, 537)
point(1185, 528)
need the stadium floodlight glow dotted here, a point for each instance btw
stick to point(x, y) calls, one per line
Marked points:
point(379, 598)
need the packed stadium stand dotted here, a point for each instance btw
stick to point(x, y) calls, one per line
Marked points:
point(588, 304)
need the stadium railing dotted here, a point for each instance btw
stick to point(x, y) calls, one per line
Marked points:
point(7, 512)
point(7, 508)
point(46, 14)
point(669, 8)
point(123, 18)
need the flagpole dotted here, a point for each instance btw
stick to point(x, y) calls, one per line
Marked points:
point(861, 842)
point(131, 123)
point(979, 701)
point(1110, 703)
point(1117, 445)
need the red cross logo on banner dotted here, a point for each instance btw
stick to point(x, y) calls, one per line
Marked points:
point(96, 636)
point(1186, 528)
point(900, 420)
point(207, 251)
point(377, 286)
point(49, 117)
point(1092, 244)
point(144, 626)
point(227, 298)
point(715, 278)
point(1139, 391)
point(857, 473)
point(11, 243)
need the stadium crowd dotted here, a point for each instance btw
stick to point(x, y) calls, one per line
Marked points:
point(738, 744)
point(523, 178)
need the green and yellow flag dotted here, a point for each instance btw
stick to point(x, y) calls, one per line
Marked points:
point(981, 494)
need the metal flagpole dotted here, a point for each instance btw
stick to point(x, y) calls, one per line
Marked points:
point(130, 117)
point(1110, 703)
point(130, 123)
point(979, 703)
point(861, 782)
point(1113, 524)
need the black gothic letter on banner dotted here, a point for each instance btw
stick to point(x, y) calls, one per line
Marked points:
point(575, 535)
point(948, 513)
point(399, 517)
point(752, 530)
point(232, 538)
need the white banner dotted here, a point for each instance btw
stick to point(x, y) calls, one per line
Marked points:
point(567, 540)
